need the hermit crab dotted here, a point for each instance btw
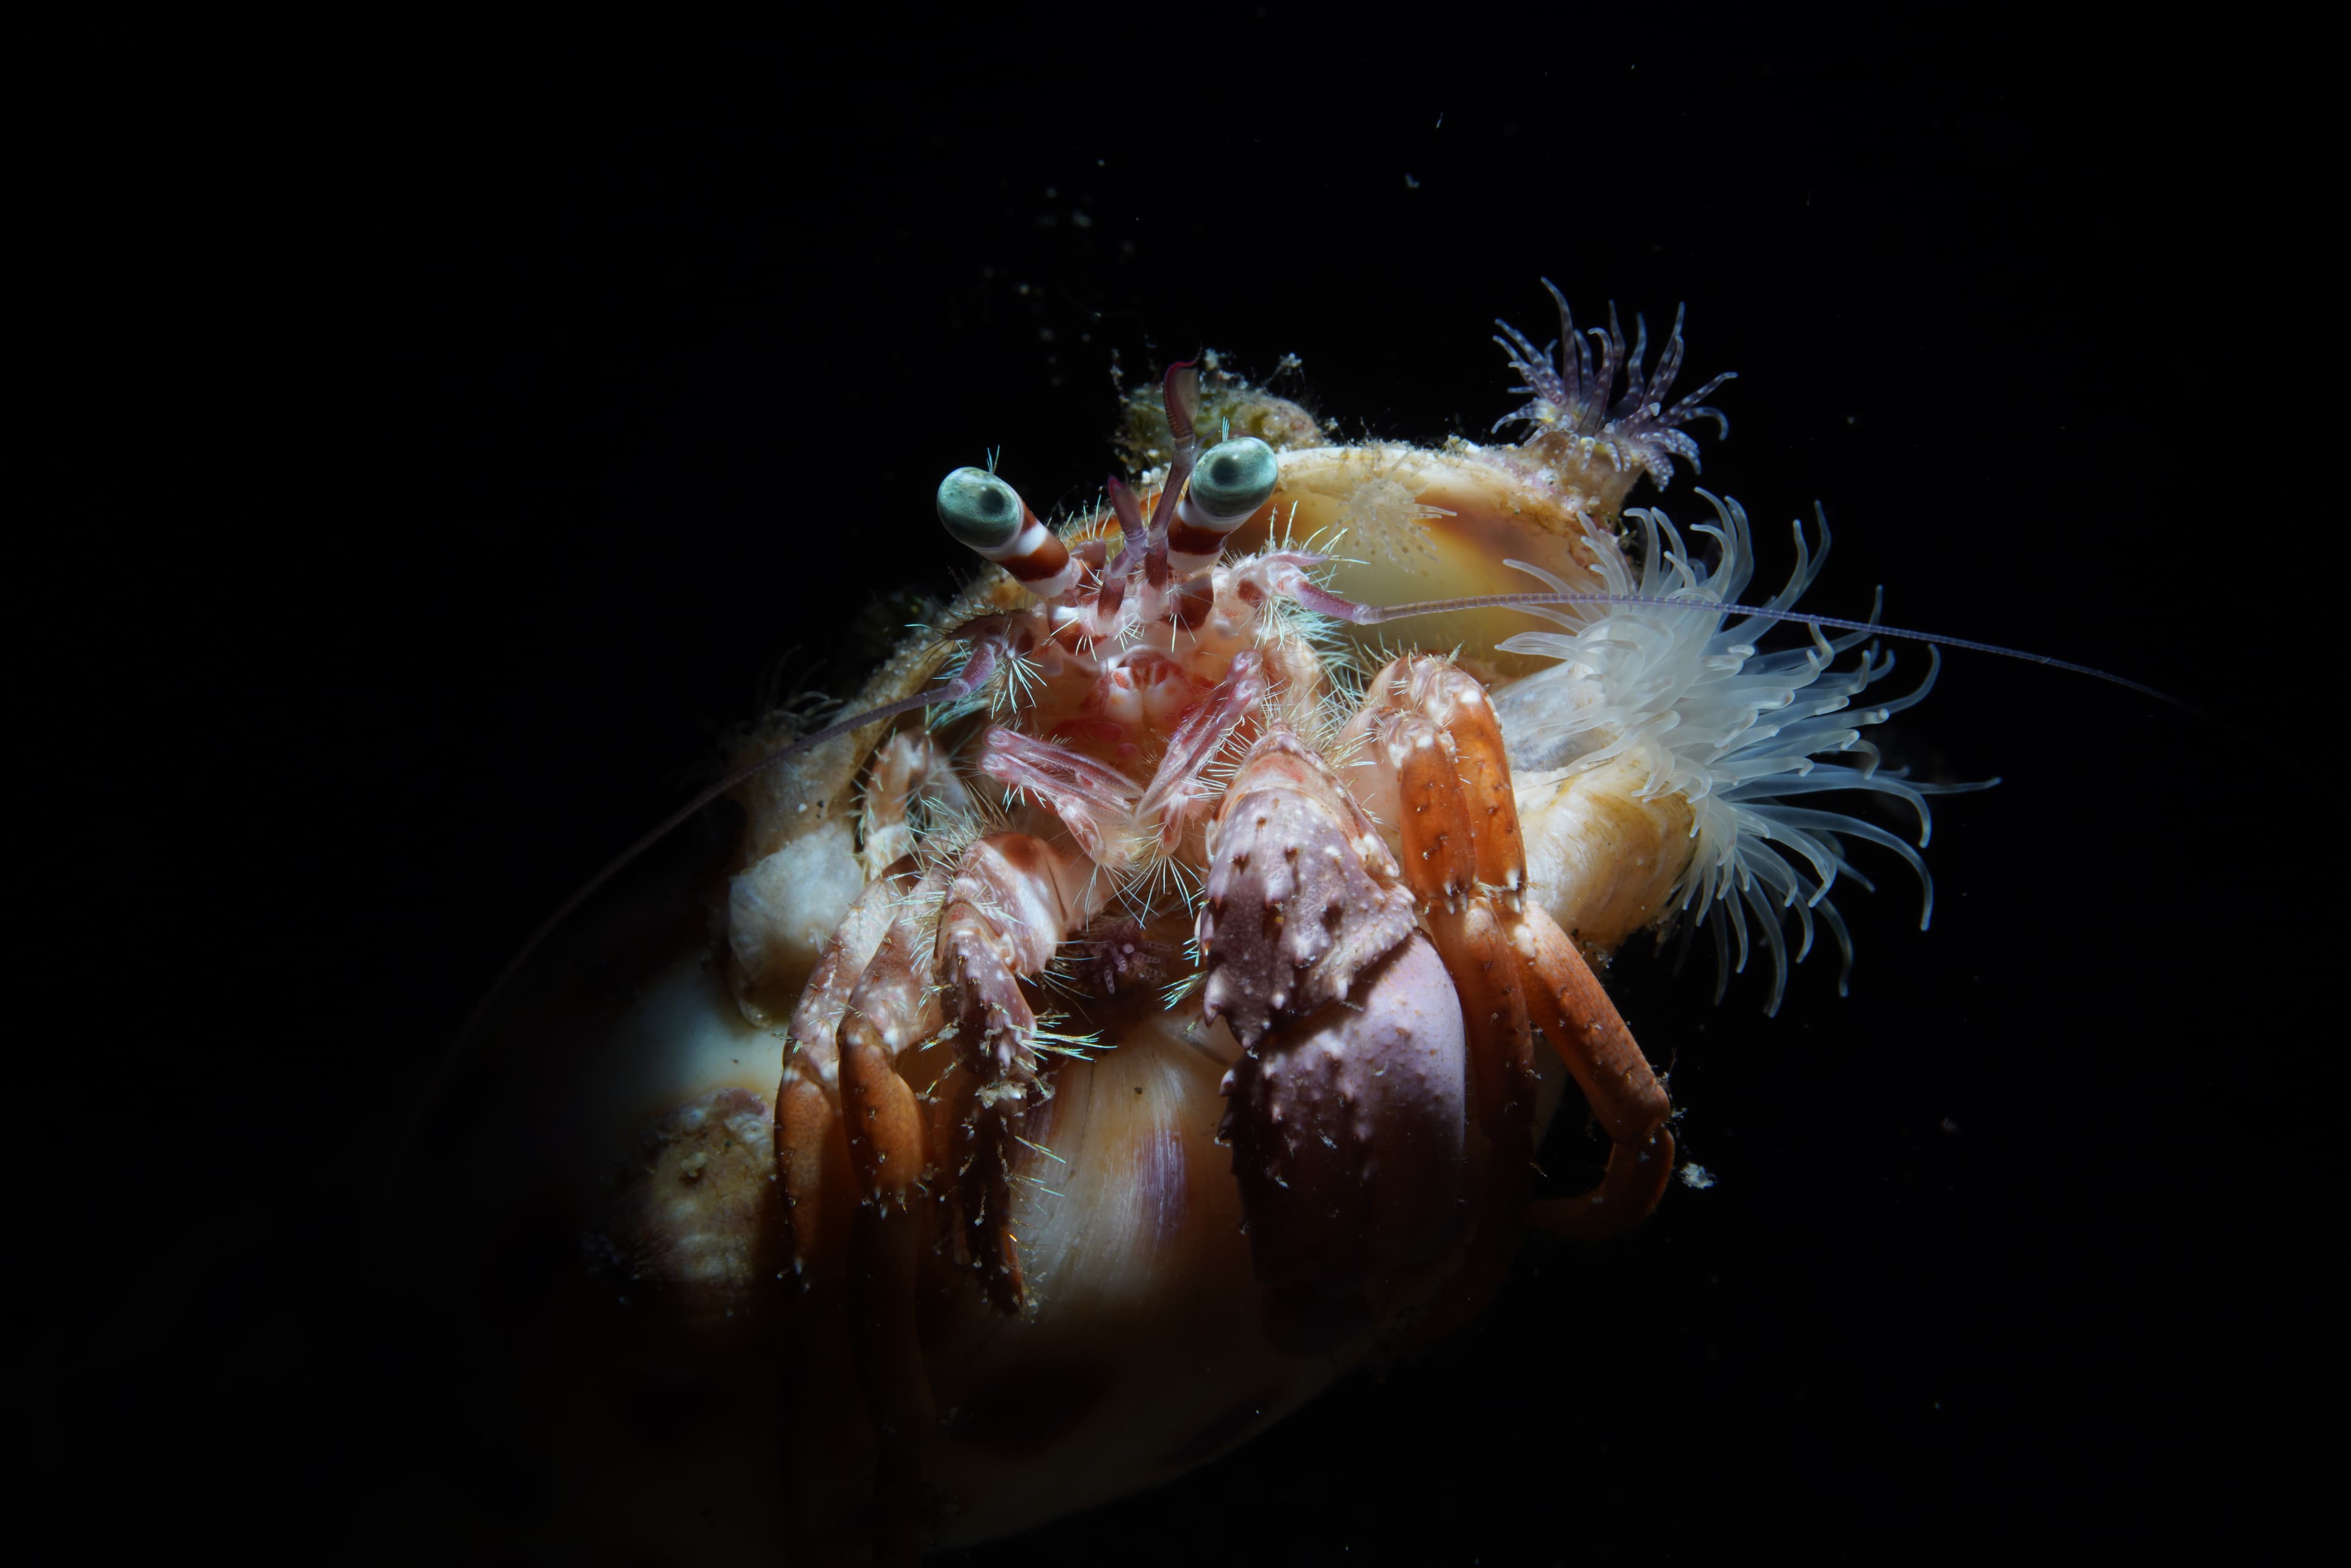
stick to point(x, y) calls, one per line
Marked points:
point(1146, 1004)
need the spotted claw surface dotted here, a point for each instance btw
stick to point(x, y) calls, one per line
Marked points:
point(1349, 1133)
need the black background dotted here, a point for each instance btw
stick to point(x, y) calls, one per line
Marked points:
point(441, 442)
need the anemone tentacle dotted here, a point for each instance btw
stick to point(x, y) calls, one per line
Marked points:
point(1636, 428)
point(1736, 733)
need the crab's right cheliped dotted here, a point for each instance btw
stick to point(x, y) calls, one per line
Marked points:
point(1123, 1031)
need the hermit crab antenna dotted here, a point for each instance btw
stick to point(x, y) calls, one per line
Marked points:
point(977, 672)
point(1132, 536)
point(988, 517)
point(1180, 392)
point(1133, 545)
point(1323, 602)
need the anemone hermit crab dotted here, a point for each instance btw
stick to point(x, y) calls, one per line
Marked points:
point(1146, 1006)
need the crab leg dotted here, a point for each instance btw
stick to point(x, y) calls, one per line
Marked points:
point(854, 1145)
point(891, 1011)
point(1013, 900)
point(850, 1147)
point(1436, 758)
point(1439, 770)
point(811, 1145)
point(1433, 766)
point(906, 768)
point(823, 1191)
point(1500, 1049)
point(1585, 1027)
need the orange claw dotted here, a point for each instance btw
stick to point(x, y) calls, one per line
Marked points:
point(889, 1011)
point(1433, 740)
point(812, 1163)
point(833, 1236)
point(1592, 1038)
point(1444, 851)
point(1439, 768)
point(1477, 951)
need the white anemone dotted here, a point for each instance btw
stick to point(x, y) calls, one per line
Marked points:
point(1735, 733)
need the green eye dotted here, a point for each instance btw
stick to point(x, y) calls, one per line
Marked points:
point(980, 509)
point(1234, 477)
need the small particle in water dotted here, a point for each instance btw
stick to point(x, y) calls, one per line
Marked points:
point(1697, 1176)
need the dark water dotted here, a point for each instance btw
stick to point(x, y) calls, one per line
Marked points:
point(458, 433)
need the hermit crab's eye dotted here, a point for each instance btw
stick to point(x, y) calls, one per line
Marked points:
point(980, 510)
point(1234, 477)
